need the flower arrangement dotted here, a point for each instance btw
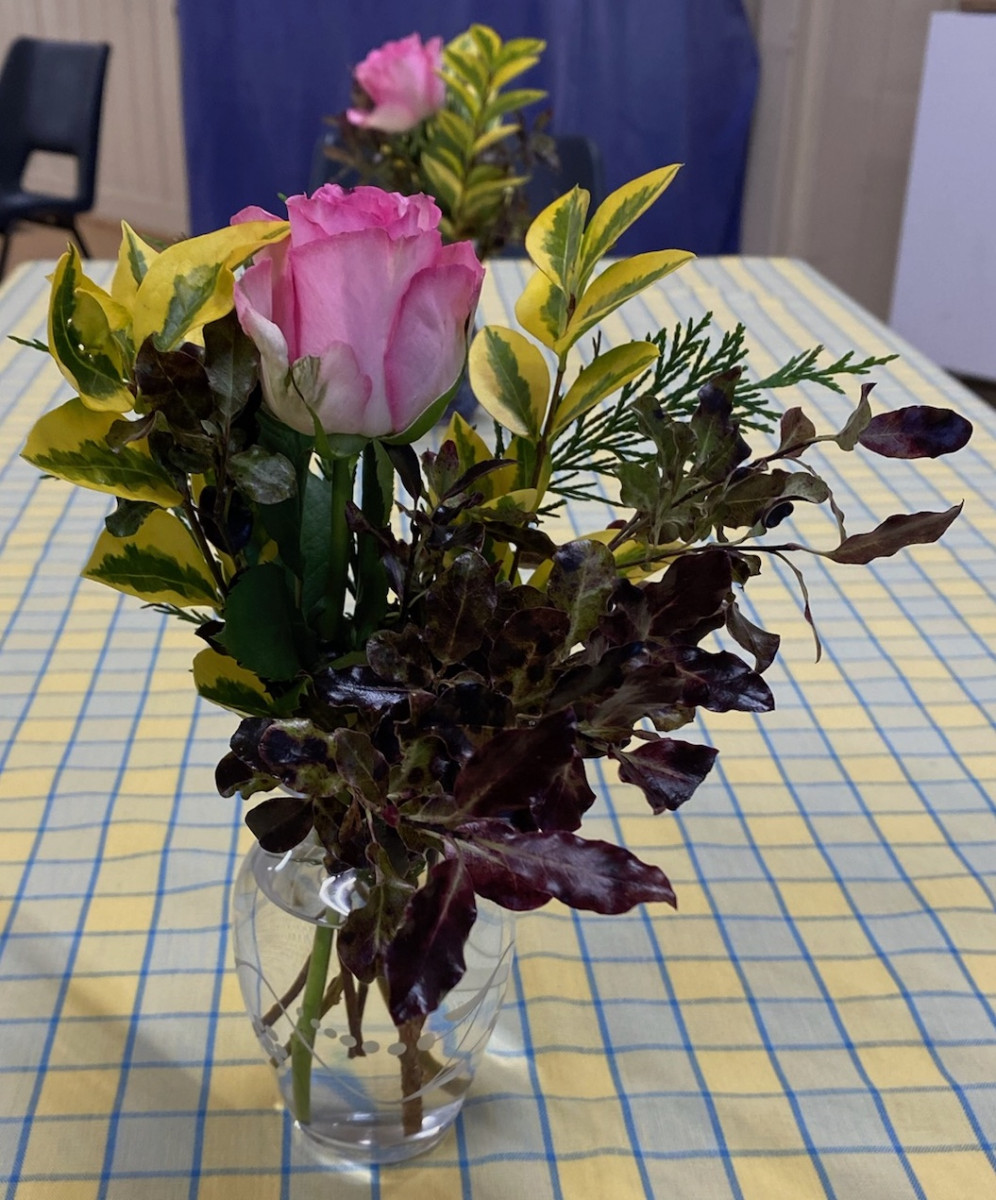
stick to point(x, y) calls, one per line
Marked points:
point(420, 670)
point(443, 120)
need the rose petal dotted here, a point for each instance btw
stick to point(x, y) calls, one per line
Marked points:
point(427, 346)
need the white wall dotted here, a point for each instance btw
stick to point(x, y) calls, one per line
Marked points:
point(833, 133)
point(142, 173)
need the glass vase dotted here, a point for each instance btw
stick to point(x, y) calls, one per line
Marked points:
point(358, 1087)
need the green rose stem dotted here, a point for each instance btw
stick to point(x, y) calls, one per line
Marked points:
point(303, 1041)
point(343, 470)
point(376, 494)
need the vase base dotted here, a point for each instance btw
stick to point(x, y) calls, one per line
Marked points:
point(367, 1139)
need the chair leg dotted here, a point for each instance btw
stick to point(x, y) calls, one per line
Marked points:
point(74, 228)
point(3, 253)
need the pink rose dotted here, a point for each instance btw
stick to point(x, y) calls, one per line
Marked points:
point(400, 78)
point(361, 315)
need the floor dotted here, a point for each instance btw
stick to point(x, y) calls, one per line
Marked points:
point(103, 238)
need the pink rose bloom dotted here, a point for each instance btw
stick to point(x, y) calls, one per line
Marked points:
point(361, 314)
point(400, 78)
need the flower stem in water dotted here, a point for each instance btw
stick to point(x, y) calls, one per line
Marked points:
point(311, 1009)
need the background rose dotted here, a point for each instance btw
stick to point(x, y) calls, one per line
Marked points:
point(362, 312)
point(400, 78)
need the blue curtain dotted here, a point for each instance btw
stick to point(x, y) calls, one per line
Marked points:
point(652, 81)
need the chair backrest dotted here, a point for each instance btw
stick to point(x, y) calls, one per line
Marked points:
point(50, 99)
point(580, 164)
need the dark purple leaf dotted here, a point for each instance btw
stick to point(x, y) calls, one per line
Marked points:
point(565, 800)
point(359, 688)
point(667, 771)
point(591, 875)
point(458, 606)
point(425, 959)
point(918, 431)
point(857, 422)
point(903, 529)
point(362, 768)
point(280, 822)
point(720, 682)
point(797, 431)
point(368, 931)
point(405, 462)
point(232, 776)
point(694, 587)
point(523, 659)
point(582, 579)
point(513, 770)
point(760, 643)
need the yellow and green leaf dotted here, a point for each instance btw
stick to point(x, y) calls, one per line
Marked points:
point(602, 377)
point(618, 211)
point(81, 339)
point(493, 136)
point(510, 378)
point(160, 564)
point(553, 241)
point(190, 283)
point(134, 259)
point(70, 442)
point(617, 284)
point(511, 68)
point(471, 449)
point(446, 185)
point(220, 679)
point(506, 102)
point(541, 310)
point(487, 41)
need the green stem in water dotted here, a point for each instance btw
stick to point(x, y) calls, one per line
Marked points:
point(311, 1010)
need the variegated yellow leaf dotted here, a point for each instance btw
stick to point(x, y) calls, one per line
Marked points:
point(618, 211)
point(541, 310)
point(81, 340)
point(446, 185)
point(134, 259)
point(493, 136)
point(70, 442)
point(220, 679)
point(510, 378)
point(617, 284)
point(472, 449)
point(511, 69)
point(604, 376)
point(488, 42)
point(553, 241)
point(190, 283)
point(160, 564)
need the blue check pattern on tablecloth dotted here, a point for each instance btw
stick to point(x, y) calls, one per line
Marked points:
point(818, 1019)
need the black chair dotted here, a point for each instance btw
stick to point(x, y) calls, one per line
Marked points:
point(580, 164)
point(50, 99)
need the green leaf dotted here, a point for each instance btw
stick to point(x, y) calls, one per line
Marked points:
point(70, 442)
point(263, 477)
point(259, 623)
point(553, 241)
point(602, 377)
point(159, 563)
point(510, 378)
point(618, 211)
point(127, 517)
point(191, 293)
point(617, 284)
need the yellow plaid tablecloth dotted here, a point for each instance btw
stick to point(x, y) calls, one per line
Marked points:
point(817, 1020)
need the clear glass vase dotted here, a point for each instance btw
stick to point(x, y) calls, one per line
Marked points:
point(369, 1092)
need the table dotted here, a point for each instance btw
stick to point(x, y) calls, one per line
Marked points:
point(818, 1018)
